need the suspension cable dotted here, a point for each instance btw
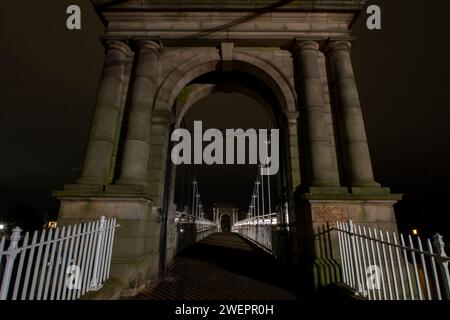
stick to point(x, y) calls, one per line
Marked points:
point(194, 183)
point(262, 191)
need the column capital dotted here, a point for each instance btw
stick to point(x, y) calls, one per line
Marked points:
point(338, 45)
point(118, 45)
point(301, 45)
point(147, 44)
point(292, 116)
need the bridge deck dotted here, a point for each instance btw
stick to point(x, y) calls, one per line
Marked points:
point(221, 267)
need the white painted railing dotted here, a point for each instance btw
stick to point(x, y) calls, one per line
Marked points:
point(380, 266)
point(60, 264)
point(258, 229)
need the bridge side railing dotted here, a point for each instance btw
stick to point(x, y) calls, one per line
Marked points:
point(191, 229)
point(59, 264)
point(381, 266)
point(260, 230)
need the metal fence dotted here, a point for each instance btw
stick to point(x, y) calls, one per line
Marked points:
point(59, 264)
point(259, 229)
point(381, 266)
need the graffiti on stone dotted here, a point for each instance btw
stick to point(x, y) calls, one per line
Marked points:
point(329, 213)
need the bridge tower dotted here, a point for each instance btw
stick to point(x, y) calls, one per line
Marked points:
point(227, 212)
point(295, 57)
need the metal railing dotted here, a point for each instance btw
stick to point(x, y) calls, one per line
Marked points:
point(192, 228)
point(259, 229)
point(380, 266)
point(60, 264)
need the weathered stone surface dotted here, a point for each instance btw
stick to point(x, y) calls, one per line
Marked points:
point(357, 162)
point(145, 93)
point(320, 161)
point(139, 225)
point(99, 152)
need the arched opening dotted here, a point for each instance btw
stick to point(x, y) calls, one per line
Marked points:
point(252, 77)
point(225, 223)
point(252, 96)
point(234, 100)
point(231, 184)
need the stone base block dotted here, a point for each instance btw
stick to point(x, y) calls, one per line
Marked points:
point(127, 189)
point(83, 188)
point(370, 190)
point(319, 253)
point(328, 190)
point(135, 257)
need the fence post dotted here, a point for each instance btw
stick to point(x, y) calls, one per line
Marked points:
point(354, 257)
point(11, 256)
point(443, 263)
point(95, 283)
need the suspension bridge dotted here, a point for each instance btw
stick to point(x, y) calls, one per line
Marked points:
point(215, 262)
point(212, 263)
point(292, 61)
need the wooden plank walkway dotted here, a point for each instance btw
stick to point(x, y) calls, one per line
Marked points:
point(223, 266)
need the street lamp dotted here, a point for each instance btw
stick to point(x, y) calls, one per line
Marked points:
point(2, 227)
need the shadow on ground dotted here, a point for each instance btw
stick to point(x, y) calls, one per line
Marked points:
point(234, 253)
point(221, 267)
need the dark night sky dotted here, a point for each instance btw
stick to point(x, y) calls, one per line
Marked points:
point(49, 77)
point(231, 184)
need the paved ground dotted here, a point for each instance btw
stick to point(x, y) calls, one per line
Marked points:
point(221, 267)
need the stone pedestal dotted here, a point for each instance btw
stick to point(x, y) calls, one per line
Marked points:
point(319, 255)
point(136, 245)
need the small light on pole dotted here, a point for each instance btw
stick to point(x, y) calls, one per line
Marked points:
point(415, 232)
point(2, 227)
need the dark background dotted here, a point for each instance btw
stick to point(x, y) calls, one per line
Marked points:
point(49, 77)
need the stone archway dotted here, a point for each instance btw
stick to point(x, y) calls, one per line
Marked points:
point(152, 57)
point(177, 93)
point(225, 223)
point(178, 80)
point(225, 211)
point(213, 61)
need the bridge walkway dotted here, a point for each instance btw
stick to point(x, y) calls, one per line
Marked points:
point(223, 266)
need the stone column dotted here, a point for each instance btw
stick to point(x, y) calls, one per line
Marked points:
point(97, 162)
point(355, 150)
point(321, 173)
point(137, 142)
point(293, 149)
point(160, 133)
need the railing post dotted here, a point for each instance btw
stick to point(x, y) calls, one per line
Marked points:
point(10, 258)
point(443, 263)
point(352, 257)
point(95, 283)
